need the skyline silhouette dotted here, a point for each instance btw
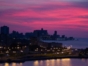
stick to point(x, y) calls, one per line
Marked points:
point(42, 34)
point(69, 17)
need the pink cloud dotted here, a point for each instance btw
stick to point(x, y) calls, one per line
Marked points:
point(63, 17)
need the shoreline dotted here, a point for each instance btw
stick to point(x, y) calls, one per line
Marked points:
point(40, 58)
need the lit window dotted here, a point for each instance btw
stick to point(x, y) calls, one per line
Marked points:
point(7, 51)
point(14, 51)
point(21, 51)
point(36, 49)
point(18, 47)
point(62, 52)
point(0, 46)
point(25, 46)
point(57, 52)
point(41, 50)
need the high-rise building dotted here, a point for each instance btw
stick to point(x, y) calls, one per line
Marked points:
point(5, 30)
point(55, 33)
point(39, 33)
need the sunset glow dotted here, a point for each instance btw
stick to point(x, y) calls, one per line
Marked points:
point(68, 17)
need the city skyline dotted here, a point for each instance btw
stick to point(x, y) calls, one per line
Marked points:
point(6, 30)
point(67, 17)
point(42, 34)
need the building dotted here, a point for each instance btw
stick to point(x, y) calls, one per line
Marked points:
point(55, 36)
point(55, 33)
point(29, 35)
point(5, 30)
point(16, 35)
point(40, 33)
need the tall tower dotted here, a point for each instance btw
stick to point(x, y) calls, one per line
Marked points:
point(55, 33)
point(5, 30)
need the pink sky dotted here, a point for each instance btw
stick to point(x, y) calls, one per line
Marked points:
point(69, 17)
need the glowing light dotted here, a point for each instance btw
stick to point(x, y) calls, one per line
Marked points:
point(0, 46)
point(4, 47)
point(57, 52)
point(21, 64)
point(6, 64)
point(62, 52)
point(53, 62)
point(7, 51)
point(69, 47)
point(21, 51)
point(41, 50)
point(76, 49)
point(25, 46)
point(14, 51)
point(18, 47)
point(41, 62)
point(66, 62)
point(47, 62)
point(13, 64)
point(36, 49)
point(36, 63)
point(67, 59)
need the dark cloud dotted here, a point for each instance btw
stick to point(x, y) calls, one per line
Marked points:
point(84, 16)
point(80, 4)
point(49, 7)
point(75, 26)
point(9, 12)
point(33, 19)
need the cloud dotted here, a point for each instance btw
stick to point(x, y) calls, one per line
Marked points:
point(84, 16)
point(60, 16)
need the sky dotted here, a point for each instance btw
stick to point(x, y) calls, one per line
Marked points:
point(68, 17)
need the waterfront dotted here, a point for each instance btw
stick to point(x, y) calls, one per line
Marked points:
point(80, 43)
point(51, 62)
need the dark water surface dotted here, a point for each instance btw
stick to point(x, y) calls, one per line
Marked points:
point(51, 62)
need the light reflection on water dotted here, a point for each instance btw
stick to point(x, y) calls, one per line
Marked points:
point(66, 62)
point(13, 64)
point(6, 64)
point(36, 63)
point(52, 62)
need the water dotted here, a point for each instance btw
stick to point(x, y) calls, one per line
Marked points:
point(80, 43)
point(52, 62)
